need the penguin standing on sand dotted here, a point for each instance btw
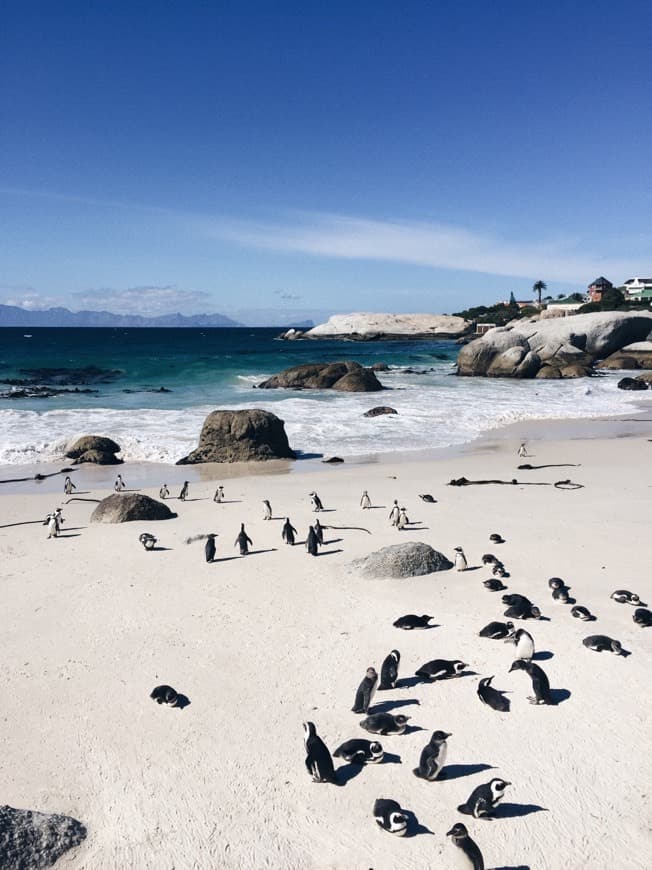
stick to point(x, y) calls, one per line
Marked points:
point(312, 544)
point(68, 486)
point(484, 799)
point(243, 541)
point(267, 513)
point(394, 513)
point(119, 484)
point(389, 671)
point(218, 498)
point(460, 560)
point(540, 683)
point(183, 495)
point(319, 763)
point(365, 501)
point(164, 492)
point(433, 757)
point(524, 644)
point(288, 532)
point(402, 520)
point(53, 526)
point(316, 502)
point(319, 531)
point(522, 451)
point(469, 855)
point(366, 691)
point(209, 548)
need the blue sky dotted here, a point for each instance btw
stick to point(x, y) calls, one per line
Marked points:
point(233, 156)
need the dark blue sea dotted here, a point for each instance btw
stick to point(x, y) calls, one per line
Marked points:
point(150, 389)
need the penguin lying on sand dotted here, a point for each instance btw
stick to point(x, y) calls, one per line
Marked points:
point(441, 669)
point(624, 596)
point(642, 617)
point(165, 695)
point(390, 817)
point(601, 642)
point(492, 697)
point(412, 621)
point(385, 723)
point(484, 799)
point(360, 751)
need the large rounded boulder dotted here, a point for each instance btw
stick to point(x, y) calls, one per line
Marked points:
point(125, 507)
point(30, 840)
point(411, 559)
point(241, 436)
point(347, 376)
point(93, 448)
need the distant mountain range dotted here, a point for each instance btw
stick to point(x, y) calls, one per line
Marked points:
point(13, 315)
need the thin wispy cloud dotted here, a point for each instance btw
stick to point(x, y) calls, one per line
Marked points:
point(150, 300)
point(434, 245)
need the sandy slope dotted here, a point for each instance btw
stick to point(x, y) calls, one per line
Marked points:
point(92, 623)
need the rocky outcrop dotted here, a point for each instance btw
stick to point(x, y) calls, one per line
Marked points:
point(346, 376)
point(240, 436)
point(563, 347)
point(411, 559)
point(124, 507)
point(93, 448)
point(31, 840)
point(632, 384)
point(632, 356)
point(374, 327)
point(379, 411)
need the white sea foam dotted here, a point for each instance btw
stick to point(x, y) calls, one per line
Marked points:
point(434, 410)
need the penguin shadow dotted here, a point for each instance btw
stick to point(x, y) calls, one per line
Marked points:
point(224, 559)
point(258, 552)
point(347, 772)
point(457, 771)
point(129, 490)
point(520, 867)
point(326, 511)
point(516, 811)
point(416, 527)
point(412, 729)
point(76, 528)
point(386, 706)
point(377, 507)
point(472, 568)
point(330, 552)
point(391, 758)
point(183, 701)
point(542, 656)
point(414, 826)
point(230, 501)
point(67, 535)
point(160, 549)
point(409, 682)
point(558, 696)
point(333, 541)
point(200, 498)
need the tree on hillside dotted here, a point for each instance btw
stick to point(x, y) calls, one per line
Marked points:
point(539, 287)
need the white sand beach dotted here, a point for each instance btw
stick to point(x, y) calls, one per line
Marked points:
point(260, 644)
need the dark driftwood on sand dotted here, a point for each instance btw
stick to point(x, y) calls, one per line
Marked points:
point(528, 467)
point(559, 484)
point(38, 477)
point(77, 498)
point(348, 528)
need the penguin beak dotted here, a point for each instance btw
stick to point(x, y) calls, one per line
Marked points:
point(449, 833)
point(448, 735)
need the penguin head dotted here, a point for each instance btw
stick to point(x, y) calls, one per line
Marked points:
point(458, 549)
point(518, 665)
point(535, 613)
point(459, 666)
point(376, 750)
point(372, 674)
point(309, 730)
point(401, 719)
point(485, 682)
point(458, 832)
point(398, 823)
point(395, 654)
point(440, 737)
point(488, 559)
point(555, 583)
point(426, 618)
point(616, 647)
point(498, 786)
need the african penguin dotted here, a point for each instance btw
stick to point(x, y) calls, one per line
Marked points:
point(316, 502)
point(164, 492)
point(209, 547)
point(148, 541)
point(469, 855)
point(582, 613)
point(183, 495)
point(497, 630)
point(385, 723)
point(365, 501)
point(494, 584)
point(523, 611)
point(441, 669)
point(389, 671)
point(524, 644)
point(623, 596)
point(411, 621)
point(540, 684)
point(484, 799)
point(492, 697)
point(460, 560)
point(394, 513)
point(556, 583)
point(319, 763)
point(360, 751)
point(267, 511)
point(427, 498)
point(390, 817)
point(165, 695)
point(642, 617)
point(433, 757)
point(495, 538)
point(601, 642)
point(366, 691)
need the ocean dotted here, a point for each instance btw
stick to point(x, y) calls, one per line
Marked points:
point(152, 389)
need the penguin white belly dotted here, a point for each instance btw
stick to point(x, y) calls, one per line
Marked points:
point(460, 860)
point(441, 758)
point(524, 649)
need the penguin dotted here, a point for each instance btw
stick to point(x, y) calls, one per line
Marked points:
point(165, 695)
point(164, 492)
point(183, 495)
point(389, 671)
point(119, 484)
point(68, 486)
point(484, 799)
point(411, 621)
point(489, 559)
point(522, 451)
point(316, 502)
point(497, 630)
point(495, 538)
point(319, 531)
point(515, 599)
point(498, 569)
point(53, 526)
point(540, 684)
point(209, 548)
point(390, 817)
point(623, 596)
point(218, 498)
point(366, 691)
point(319, 763)
point(642, 617)
point(440, 669)
point(312, 544)
point(433, 757)
point(365, 501)
point(460, 560)
point(601, 642)
point(394, 513)
point(288, 532)
point(267, 514)
point(148, 541)
point(582, 613)
point(556, 583)
point(469, 856)
point(385, 723)
point(492, 697)
point(59, 520)
point(360, 751)
point(494, 584)
point(561, 595)
point(243, 541)
point(403, 520)
point(524, 644)
point(428, 498)
point(523, 611)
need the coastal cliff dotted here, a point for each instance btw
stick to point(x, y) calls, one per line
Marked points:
point(363, 326)
point(561, 348)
